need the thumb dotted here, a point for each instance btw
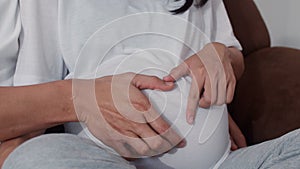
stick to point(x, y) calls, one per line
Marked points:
point(177, 72)
point(151, 82)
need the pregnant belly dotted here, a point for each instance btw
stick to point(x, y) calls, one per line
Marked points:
point(207, 140)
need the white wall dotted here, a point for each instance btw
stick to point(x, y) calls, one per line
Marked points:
point(283, 21)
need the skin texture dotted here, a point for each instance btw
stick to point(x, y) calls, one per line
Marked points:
point(146, 133)
point(214, 72)
point(27, 109)
point(8, 146)
point(38, 107)
point(42, 106)
point(237, 138)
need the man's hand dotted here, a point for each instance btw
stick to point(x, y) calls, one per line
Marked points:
point(121, 116)
point(236, 136)
point(10, 145)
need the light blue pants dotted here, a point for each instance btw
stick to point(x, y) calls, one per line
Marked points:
point(71, 152)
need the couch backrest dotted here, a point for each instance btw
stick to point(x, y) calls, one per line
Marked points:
point(248, 25)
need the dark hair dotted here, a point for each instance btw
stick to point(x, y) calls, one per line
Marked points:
point(188, 4)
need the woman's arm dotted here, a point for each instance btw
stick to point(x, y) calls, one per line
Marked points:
point(215, 71)
point(27, 109)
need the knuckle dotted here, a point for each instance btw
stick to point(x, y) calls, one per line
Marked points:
point(136, 127)
point(142, 105)
point(199, 71)
point(157, 144)
point(163, 128)
point(207, 100)
point(138, 84)
point(154, 78)
point(206, 103)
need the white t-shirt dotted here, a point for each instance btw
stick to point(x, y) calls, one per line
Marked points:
point(10, 28)
point(144, 37)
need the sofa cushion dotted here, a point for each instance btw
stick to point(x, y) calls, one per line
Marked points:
point(267, 101)
point(248, 25)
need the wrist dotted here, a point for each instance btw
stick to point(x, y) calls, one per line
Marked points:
point(229, 55)
point(220, 50)
point(232, 56)
point(64, 89)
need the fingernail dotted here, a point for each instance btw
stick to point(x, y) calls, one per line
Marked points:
point(191, 119)
point(169, 83)
point(182, 144)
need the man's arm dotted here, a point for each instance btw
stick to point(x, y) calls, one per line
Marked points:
point(25, 112)
point(27, 109)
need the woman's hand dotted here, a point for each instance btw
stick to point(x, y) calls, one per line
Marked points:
point(10, 145)
point(214, 71)
point(236, 136)
point(121, 116)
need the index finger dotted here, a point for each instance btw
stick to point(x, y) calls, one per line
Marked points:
point(178, 72)
point(164, 130)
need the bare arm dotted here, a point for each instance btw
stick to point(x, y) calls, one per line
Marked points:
point(24, 110)
point(28, 109)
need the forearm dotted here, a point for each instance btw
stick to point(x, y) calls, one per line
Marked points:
point(237, 61)
point(27, 109)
